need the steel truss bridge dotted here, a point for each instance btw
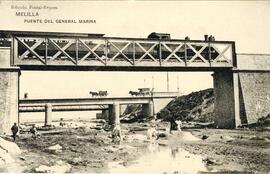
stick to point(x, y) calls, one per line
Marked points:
point(60, 51)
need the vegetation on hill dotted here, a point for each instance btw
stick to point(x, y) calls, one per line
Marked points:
point(196, 106)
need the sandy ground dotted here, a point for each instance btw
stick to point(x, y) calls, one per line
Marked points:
point(90, 150)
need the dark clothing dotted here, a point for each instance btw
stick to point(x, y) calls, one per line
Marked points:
point(172, 123)
point(14, 130)
point(34, 132)
point(14, 136)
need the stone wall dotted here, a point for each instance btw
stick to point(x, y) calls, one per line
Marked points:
point(254, 86)
point(8, 100)
point(9, 91)
point(253, 62)
point(255, 94)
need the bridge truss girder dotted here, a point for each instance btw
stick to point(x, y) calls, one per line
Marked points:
point(120, 52)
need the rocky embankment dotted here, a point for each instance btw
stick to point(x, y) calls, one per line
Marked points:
point(196, 106)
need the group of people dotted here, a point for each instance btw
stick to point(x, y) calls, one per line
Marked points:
point(151, 132)
point(116, 132)
point(15, 130)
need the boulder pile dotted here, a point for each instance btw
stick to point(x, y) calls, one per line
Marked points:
point(8, 151)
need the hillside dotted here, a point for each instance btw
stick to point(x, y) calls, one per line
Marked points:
point(196, 106)
point(132, 113)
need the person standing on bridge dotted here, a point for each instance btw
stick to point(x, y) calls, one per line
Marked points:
point(14, 130)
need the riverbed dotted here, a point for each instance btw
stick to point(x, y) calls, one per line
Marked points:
point(88, 149)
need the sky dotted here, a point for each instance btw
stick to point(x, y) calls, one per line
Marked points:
point(247, 23)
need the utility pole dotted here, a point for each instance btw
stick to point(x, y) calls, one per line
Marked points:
point(153, 82)
point(178, 84)
point(168, 81)
point(144, 83)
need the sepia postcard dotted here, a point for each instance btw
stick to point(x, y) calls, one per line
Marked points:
point(162, 87)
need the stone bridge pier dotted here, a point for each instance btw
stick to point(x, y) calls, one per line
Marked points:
point(9, 92)
point(148, 110)
point(114, 114)
point(115, 110)
point(48, 114)
point(242, 95)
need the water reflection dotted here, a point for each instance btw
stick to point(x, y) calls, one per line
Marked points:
point(174, 151)
point(162, 160)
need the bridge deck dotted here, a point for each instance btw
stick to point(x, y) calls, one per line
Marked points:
point(33, 50)
point(61, 108)
point(90, 101)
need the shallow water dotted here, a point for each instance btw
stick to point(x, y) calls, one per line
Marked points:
point(159, 159)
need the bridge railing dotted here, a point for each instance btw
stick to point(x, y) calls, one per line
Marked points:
point(103, 51)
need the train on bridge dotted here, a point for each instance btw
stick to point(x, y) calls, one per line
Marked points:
point(44, 48)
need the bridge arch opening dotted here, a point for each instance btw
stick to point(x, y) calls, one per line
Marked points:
point(66, 84)
point(234, 74)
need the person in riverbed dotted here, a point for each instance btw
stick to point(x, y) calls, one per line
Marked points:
point(34, 131)
point(179, 125)
point(152, 133)
point(172, 123)
point(116, 134)
point(14, 130)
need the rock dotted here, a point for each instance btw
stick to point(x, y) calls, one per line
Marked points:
point(259, 138)
point(10, 147)
point(86, 129)
point(73, 150)
point(5, 157)
point(96, 164)
point(121, 147)
point(102, 121)
point(59, 167)
point(21, 158)
point(227, 138)
point(75, 161)
point(55, 149)
point(146, 125)
point(163, 134)
point(211, 161)
point(98, 127)
point(138, 137)
point(204, 137)
point(187, 136)
point(110, 149)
